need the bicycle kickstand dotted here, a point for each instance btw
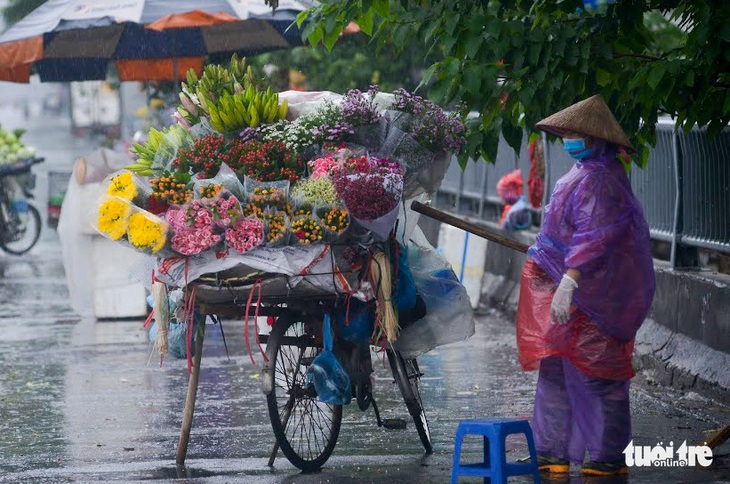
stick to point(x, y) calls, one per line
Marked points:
point(388, 423)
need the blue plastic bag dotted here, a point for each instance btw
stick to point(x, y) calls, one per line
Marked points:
point(330, 379)
point(519, 216)
point(355, 321)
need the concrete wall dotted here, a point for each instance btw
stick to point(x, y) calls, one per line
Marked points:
point(685, 342)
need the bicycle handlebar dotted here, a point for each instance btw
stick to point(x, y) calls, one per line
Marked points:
point(19, 167)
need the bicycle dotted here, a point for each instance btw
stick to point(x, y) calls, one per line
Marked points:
point(306, 429)
point(20, 222)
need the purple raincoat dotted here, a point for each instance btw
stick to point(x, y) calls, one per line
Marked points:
point(596, 225)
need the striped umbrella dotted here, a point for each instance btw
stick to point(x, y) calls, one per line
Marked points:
point(74, 40)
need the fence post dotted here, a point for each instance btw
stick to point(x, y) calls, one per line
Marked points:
point(682, 256)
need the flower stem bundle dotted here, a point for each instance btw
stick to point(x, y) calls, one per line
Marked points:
point(380, 278)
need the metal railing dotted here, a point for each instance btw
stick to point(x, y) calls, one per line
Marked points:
point(685, 189)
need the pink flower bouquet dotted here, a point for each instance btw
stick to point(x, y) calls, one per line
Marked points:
point(194, 228)
point(245, 234)
point(371, 188)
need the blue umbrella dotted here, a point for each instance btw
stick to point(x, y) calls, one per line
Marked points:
point(74, 40)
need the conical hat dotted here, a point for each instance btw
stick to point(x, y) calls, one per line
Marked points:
point(590, 117)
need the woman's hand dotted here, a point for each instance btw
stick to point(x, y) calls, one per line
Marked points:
point(560, 307)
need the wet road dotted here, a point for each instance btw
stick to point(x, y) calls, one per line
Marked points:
point(86, 401)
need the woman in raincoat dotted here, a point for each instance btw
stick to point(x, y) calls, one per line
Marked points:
point(586, 288)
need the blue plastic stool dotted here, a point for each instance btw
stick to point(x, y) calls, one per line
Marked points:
point(495, 466)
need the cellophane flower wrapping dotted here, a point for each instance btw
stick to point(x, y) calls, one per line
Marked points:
point(128, 186)
point(112, 216)
point(194, 228)
point(277, 228)
point(147, 232)
point(265, 195)
point(225, 179)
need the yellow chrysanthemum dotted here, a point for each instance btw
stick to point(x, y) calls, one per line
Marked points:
point(123, 186)
point(113, 217)
point(146, 233)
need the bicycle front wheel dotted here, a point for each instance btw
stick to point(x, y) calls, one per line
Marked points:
point(21, 233)
point(305, 428)
point(408, 376)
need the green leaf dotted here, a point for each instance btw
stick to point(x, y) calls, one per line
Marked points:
point(472, 76)
point(512, 134)
point(365, 22)
point(316, 35)
point(382, 8)
point(603, 78)
point(472, 45)
point(689, 78)
point(655, 75)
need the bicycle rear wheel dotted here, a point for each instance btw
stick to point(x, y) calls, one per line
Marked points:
point(305, 428)
point(22, 231)
point(408, 376)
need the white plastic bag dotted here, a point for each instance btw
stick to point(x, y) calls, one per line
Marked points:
point(449, 317)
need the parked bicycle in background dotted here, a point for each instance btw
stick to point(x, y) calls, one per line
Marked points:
point(20, 222)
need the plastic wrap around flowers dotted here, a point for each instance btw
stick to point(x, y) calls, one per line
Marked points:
point(245, 234)
point(371, 189)
point(195, 230)
point(119, 219)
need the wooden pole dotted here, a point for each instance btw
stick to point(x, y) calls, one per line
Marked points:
point(469, 227)
point(187, 423)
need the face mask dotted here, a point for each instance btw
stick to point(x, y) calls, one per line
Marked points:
point(576, 148)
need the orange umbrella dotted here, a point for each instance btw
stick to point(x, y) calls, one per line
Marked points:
point(74, 40)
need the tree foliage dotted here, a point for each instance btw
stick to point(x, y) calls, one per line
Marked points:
point(17, 9)
point(517, 61)
point(354, 64)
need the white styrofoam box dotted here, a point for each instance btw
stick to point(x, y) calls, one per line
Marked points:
point(116, 294)
point(467, 254)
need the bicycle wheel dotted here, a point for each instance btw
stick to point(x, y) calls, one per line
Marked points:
point(407, 376)
point(22, 231)
point(305, 428)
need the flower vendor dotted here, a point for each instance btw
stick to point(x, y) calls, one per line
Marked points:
point(586, 288)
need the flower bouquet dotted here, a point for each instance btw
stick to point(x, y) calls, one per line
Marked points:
point(113, 217)
point(306, 230)
point(128, 186)
point(172, 188)
point(371, 189)
point(194, 228)
point(226, 210)
point(334, 219)
point(359, 111)
point(245, 234)
point(320, 190)
point(420, 135)
point(147, 232)
point(276, 228)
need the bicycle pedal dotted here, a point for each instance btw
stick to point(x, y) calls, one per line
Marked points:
point(394, 423)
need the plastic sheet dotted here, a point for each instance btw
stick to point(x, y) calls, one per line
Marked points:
point(587, 347)
point(449, 317)
point(596, 225)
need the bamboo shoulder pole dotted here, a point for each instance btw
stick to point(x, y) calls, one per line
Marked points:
point(187, 423)
point(469, 227)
